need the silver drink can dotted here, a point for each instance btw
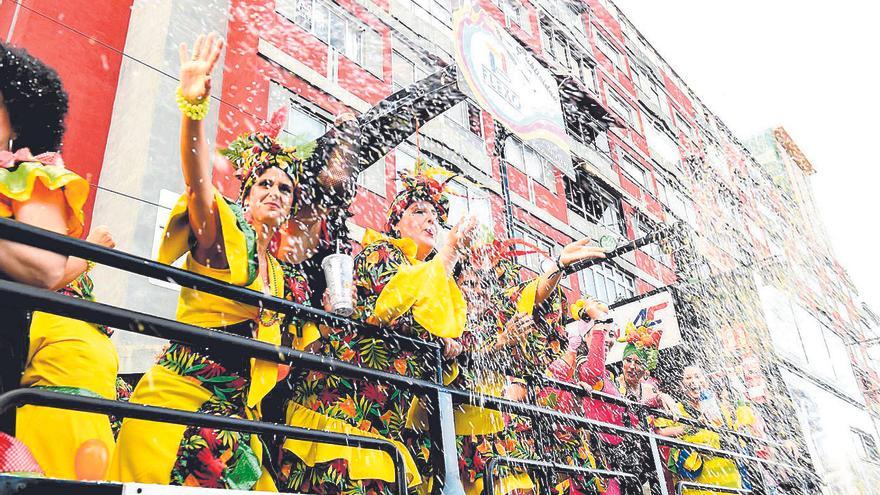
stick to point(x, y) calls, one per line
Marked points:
point(338, 273)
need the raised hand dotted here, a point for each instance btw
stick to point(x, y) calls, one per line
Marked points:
point(462, 235)
point(451, 348)
point(459, 239)
point(517, 329)
point(575, 335)
point(579, 251)
point(195, 70)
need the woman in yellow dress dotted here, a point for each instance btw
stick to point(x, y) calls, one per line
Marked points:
point(398, 287)
point(700, 404)
point(63, 355)
point(229, 242)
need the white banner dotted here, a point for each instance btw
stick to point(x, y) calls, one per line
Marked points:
point(657, 311)
point(506, 80)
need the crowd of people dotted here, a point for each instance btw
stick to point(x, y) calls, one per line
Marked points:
point(496, 326)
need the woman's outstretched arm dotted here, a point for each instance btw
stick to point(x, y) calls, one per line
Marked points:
point(195, 151)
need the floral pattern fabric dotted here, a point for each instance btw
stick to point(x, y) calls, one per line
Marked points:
point(530, 358)
point(534, 355)
point(208, 457)
point(369, 406)
point(123, 394)
point(214, 458)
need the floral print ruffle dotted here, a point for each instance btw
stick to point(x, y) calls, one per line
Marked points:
point(369, 406)
point(207, 457)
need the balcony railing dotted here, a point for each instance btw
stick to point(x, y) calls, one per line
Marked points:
point(437, 398)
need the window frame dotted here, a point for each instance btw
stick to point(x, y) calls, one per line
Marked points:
point(445, 7)
point(533, 261)
point(471, 118)
point(622, 281)
point(520, 19)
point(353, 25)
point(684, 126)
point(595, 203)
point(642, 226)
point(605, 46)
point(471, 197)
point(625, 160)
point(548, 174)
point(613, 96)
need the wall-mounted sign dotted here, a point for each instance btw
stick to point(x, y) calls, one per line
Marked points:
point(656, 311)
point(506, 80)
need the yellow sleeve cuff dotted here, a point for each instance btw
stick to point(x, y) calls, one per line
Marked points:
point(178, 234)
point(430, 293)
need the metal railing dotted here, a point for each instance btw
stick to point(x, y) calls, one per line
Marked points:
point(686, 485)
point(545, 468)
point(47, 398)
point(435, 396)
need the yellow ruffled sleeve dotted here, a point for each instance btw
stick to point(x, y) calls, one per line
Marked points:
point(430, 293)
point(238, 242)
point(363, 463)
point(17, 185)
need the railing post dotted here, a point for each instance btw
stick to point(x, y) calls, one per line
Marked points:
point(444, 454)
point(14, 341)
point(659, 472)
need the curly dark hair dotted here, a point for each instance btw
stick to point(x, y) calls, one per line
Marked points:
point(35, 99)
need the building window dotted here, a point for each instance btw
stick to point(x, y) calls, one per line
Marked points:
point(663, 148)
point(684, 126)
point(404, 72)
point(659, 97)
point(608, 50)
point(404, 161)
point(619, 106)
point(590, 200)
point(661, 192)
point(587, 133)
point(642, 227)
point(529, 161)
point(304, 124)
point(514, 13)
point(466, 200)
point(560, 49)
point(337, 29)
point(588, 75)
point(439, 9)
point(533, 261)
point(571, 17)
point(607, 283)
point(467, 116)
point(867, 445)
point(632, 169)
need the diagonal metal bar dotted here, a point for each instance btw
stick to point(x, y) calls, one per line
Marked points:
point(655, 236)
point(147, 324)
point(636, 406)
